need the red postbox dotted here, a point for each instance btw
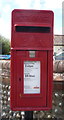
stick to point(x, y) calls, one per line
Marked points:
point(31, 60)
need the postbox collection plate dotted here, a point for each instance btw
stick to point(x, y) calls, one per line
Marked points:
point(31, 78)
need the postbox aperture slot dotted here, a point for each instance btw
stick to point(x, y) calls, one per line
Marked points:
point(33, 29)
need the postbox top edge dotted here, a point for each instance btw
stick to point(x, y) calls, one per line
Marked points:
point(17, 10)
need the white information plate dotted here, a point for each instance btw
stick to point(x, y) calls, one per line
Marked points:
point(31, 77)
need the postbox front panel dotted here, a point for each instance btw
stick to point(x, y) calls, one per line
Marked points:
point(31, 60)
point(30, 79)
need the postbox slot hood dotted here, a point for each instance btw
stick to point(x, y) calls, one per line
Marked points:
point(36, 29)
point(32, 24)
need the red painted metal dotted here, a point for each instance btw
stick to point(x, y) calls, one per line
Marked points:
point(32, 30)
